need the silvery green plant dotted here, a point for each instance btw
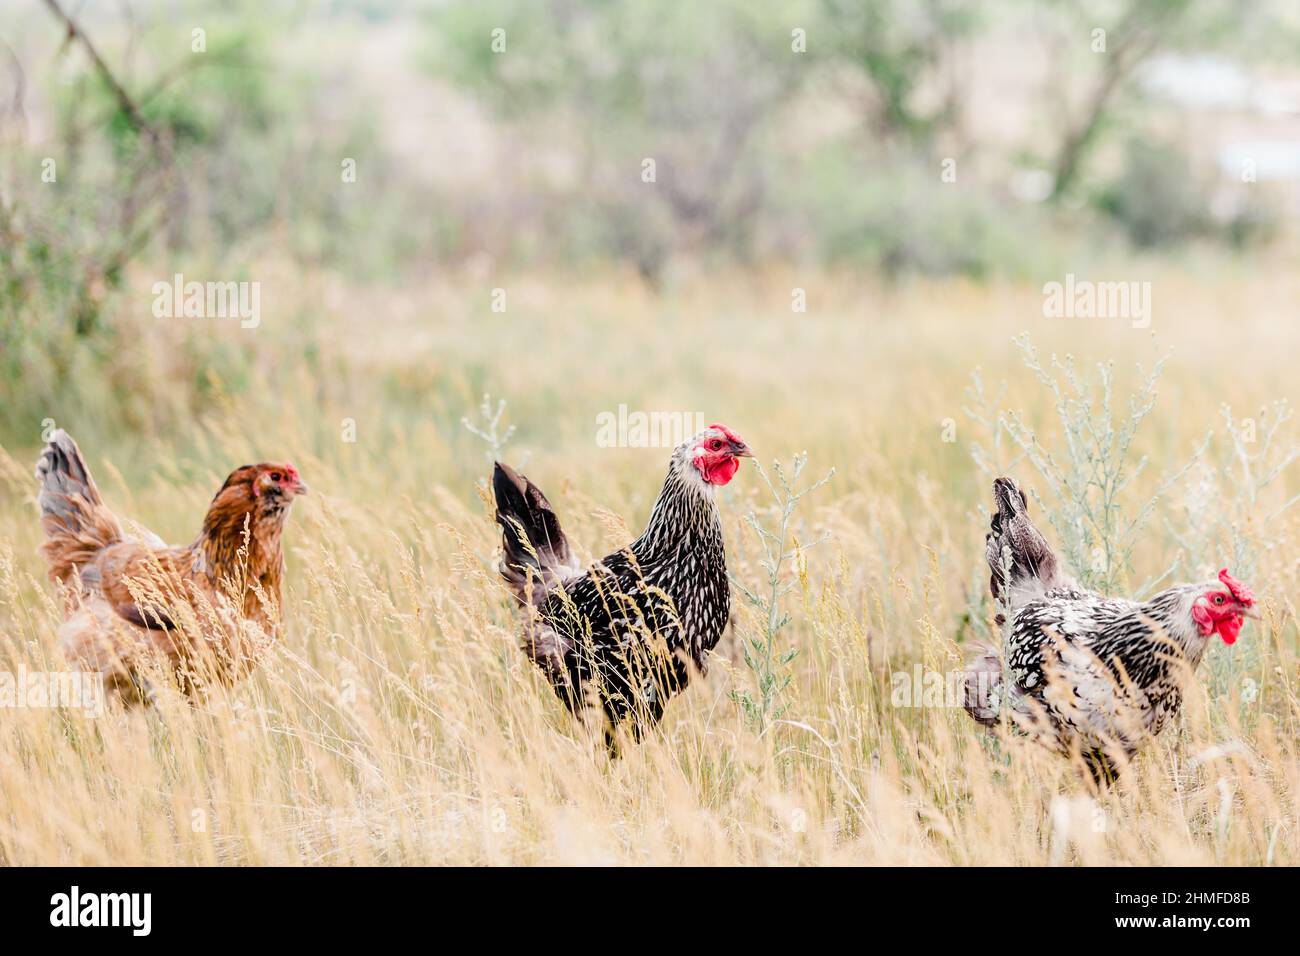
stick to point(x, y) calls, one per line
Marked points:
point(984, 407)
point(1221, 503)
point(770, 662)
point(489, 427)
point(1225, 502)
point(1094, 469)
point(1227, 498)
point(1259, 456)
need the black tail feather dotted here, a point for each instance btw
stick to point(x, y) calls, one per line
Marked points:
point(534, 547)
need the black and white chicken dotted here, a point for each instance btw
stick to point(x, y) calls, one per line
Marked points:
point(1090, 676)
point(626, 632)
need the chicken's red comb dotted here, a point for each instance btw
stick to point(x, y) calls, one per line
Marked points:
point(1241, 592)
point(731, 436)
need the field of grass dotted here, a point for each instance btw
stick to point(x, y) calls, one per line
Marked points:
point(397, 723)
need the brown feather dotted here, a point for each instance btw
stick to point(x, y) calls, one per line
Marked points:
point(202, 612)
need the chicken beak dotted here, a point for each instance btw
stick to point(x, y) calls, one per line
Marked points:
point(1250, 612)
point(300, 487)
point(741, 450)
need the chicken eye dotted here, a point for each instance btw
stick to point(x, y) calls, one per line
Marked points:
point(276, 476)
point(715, 444)
point(1218, 599)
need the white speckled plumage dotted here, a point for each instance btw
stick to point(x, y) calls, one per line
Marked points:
point(1085, 673)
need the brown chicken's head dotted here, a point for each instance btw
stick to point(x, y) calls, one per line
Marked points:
point(716, 453)
point(1222, 609)
point(254, 500)
point(269, 485)
point(281, 480)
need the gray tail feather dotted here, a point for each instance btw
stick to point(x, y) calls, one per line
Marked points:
point(76, 522)
point(66, 486)
point(1018, 555)
point(534, 548)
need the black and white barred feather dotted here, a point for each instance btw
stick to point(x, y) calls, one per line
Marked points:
point(627, 632)
point(1086, 674)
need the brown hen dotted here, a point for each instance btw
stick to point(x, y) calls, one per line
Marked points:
point(134, 606)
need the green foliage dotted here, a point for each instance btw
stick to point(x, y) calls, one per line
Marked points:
point(1231, 501)
point(902, 220)
point(1156, 198)
point(763, 154)
point(770, 662)
point(1092, 472)
point(900, 48)
point(1242, 502)
point(609, 78)
point(232, 151)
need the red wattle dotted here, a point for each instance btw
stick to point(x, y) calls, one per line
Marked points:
point(722, 472)
point(1229, 628)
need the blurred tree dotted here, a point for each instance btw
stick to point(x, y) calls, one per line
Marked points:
point(905, 51)
point(1156, 198)
point(1132, 35)
point(689, 87)
point(1134, 31)
point(108, 181)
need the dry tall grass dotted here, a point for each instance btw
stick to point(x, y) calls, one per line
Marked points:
point(397, 723)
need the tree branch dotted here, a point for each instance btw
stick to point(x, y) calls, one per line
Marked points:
point(124, 100)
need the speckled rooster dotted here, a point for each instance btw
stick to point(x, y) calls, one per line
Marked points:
point(1089, 675)
point(134, 606)
point(626, 632)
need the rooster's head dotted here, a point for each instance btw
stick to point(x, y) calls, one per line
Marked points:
point(1223, 608)
point(715, 454)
